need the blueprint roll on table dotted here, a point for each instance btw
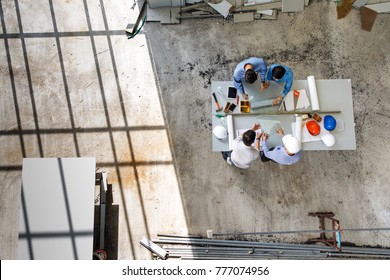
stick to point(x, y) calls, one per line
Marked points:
point(298, 128)
point(230, 131)
point(315, 105)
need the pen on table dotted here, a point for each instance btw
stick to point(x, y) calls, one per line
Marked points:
point(237, 99)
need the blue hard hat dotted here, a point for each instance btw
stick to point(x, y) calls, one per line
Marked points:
point(329, 122)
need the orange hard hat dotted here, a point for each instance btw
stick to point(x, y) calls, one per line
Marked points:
point(313, 127)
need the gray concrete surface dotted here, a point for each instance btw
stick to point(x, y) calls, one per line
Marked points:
point(73, 85)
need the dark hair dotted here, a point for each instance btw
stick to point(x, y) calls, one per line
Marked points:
point(250, 76)
point(278, 72)
point(249, 137)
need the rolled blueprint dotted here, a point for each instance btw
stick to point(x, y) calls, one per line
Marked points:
point(229, 119)
point(298, 128)
point(313, 93)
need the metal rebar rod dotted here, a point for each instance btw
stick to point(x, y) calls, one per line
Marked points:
point(300, 231)
point(240, 245)
point(243, 244)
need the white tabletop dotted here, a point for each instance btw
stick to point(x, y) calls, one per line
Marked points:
point(333, 95)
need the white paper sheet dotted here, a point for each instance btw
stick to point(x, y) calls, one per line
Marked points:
point(289, 101)
point(303, 101)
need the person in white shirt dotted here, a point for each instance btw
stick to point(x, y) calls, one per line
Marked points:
point(246, 148)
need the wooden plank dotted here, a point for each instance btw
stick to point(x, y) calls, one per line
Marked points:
point(243, 17)
point(260, 7)
point(193, 7)
point(368, 17)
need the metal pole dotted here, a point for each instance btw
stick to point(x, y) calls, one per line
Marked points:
point(301, 231)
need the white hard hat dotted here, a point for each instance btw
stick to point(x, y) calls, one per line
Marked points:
point(220, 132)
point(291, 143)
point(328, 139)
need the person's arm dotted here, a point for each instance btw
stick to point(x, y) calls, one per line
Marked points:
point(257, 141)
point(268, 77)
point(238, 75)
point(263, 71)
point(263, 142)
point(277, 100)
point(238, 85)
point(255, 126)
point(289, 81)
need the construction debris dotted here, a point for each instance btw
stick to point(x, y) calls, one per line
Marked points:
point(368, 17)
point(243, 17)
point(197, 248)
point(383, 7)
point(239, 10)
point(224, 7)
point(343, 8)
point(171, 11)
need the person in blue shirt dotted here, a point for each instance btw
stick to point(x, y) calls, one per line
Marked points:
point(289, 153)
point(248, 71)
point(280, 73)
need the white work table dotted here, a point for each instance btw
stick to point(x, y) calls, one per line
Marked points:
point(333, 95)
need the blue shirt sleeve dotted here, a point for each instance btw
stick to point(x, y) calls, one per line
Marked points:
point(269, 73)
point(288, 77)
point(260, 66)
point(237, 76)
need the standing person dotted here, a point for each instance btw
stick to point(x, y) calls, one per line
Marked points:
point(280, 73)
point(247, 71)
point(244, 152)
point(290, 153)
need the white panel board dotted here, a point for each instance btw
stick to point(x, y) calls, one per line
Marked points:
point(358, 3)
point(380, 7)
point(223, 7)
point(59, 206)
point(293, 5)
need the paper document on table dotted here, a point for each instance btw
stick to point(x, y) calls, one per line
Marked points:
point(302, 102)
point(289, 101)
point(268, 126)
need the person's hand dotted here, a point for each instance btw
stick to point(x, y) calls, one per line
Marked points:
point(264, 86)
point(264, 136)
point(245, 96)
point(256, 126)
point(277, 100)
point(280, 131)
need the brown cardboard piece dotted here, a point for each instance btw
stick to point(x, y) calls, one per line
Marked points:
point(368, 17)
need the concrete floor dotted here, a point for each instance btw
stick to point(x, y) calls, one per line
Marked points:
point(73, 85)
